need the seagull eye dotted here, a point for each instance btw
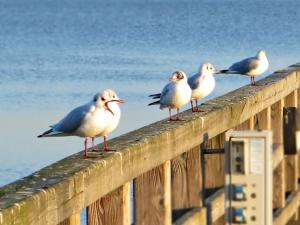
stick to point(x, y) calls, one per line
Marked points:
point(102, 99)
point(114, 96)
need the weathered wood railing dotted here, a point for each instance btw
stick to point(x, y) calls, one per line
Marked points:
point(163, 160)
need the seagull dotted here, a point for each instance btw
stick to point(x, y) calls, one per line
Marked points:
point(174, 95)
point(252, 66)
point(114, 121)
point(88, 120)
point(202, 83)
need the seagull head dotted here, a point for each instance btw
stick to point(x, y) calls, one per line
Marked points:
point(107, 96)
point(178, 76)
point(261, 54)
point(207, 68)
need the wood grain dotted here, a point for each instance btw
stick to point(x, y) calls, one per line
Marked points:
point(111, 209)
point(152, 196)
point(72, 220)
point(215, 175)
point(186, 180)
point(262, 120)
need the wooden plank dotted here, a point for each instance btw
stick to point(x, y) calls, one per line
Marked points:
point(298, 106)
point(245, 125)
point(291, 173)
point(215, 175)
point(220, 221)
point(152, 196)
point(278, 155)
point(65, 187)
point(215, 207)
point(291, 161)
point(276, 121)
point(292, 99)
point(293, 220)
point(279, 186)
point(72, 220)
point(282, 216)
point(186, 180)
point(262, 120)
point(192, 217)
point(112, 209)
point(279, 172)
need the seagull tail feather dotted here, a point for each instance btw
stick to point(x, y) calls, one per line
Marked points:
point(229, 72)
point(45, 133)
point(155, 96)
point(155, 103)
point(224, 71)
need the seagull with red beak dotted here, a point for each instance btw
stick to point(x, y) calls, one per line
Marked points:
point(112, 106)
point(95, 118)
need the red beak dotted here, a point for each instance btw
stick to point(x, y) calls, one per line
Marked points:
point(106, 106)
point(120, 101)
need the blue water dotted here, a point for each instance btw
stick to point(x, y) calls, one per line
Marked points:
point(56, 54)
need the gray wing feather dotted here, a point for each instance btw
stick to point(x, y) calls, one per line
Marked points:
point(165, 90)
point(193, 81)
point(245, 66)
point(73, 120)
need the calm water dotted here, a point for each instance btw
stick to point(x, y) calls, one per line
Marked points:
point(55, 55)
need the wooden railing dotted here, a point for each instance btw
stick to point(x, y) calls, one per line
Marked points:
point(163, 161)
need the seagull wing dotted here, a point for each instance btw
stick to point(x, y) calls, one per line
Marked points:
point(245, 66)
point(73, 120)
point(193, 81)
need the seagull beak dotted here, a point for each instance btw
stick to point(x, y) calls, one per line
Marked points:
point(171, 79)
point(120, 101)
point(216, 71)
point(106, 106)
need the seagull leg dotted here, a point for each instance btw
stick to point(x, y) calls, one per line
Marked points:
point(252, 80)
point(85, 147)
point(94, 149)
point(177, 115)
point(192, 105)
point(105, 144)
point(197, 108)
point(170, 115)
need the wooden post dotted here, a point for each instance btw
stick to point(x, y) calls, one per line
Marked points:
point(186, 180)
point(298, 107)
point(279, 172)
point(72, 220)
point(114, 208)
point(247, 125)
point(152, 196)
point(291, 161)
point(215, 175)
point(262, 121)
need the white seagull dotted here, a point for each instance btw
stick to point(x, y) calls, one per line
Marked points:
point(202, 83)
point(252, 66)
point(174, 95)
point(89, 120)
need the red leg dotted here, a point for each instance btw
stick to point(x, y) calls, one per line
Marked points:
point(170, 115)
point(85, 147)
point(192, 105)
point(254, 83)
point(197, 109)
point(177, 115)
point(94, 149)
point(105, 144)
